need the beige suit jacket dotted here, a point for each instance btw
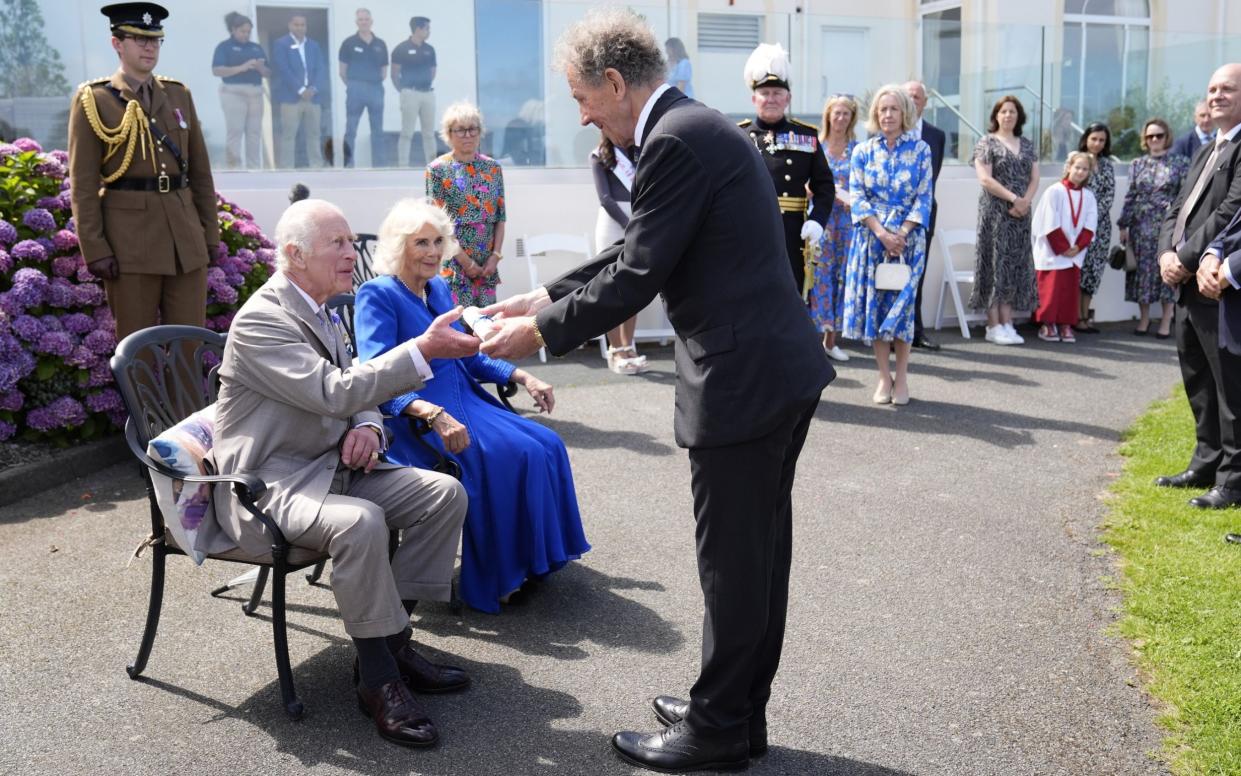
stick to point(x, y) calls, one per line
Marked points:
point(284, 406)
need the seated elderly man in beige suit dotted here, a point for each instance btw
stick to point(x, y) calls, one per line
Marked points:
point(294, 411)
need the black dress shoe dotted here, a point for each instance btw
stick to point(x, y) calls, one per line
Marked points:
point(424, 676)
point(675, 749)
point(670, 710)
point(1190, 478)
point(921, 341)
point(398, 717)
point(1232, 538)
point(1218, 497)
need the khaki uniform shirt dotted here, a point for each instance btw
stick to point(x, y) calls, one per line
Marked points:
point(148, 232)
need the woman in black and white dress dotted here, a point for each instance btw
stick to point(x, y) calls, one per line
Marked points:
point(613, 174)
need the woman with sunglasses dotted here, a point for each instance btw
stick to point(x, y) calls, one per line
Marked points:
point(1096, 140)
point(1154, 181)
point(470, 186)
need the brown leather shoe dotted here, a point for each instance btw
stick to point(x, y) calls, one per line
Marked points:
point(397, 716)
point(424, 676)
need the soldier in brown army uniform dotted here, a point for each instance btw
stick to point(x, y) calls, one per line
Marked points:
point(143, 198)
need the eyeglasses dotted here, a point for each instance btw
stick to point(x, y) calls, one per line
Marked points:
point(466, 131)
point(145, 42)
point(1157, 136)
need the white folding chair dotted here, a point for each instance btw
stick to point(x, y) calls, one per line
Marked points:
point(532, 246)
point(948, 239)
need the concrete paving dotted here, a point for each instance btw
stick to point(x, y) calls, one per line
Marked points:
point(949, 614)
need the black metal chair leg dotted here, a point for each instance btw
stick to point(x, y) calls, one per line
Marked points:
point(251, 606)
point(158, 553)
point(292, 705)
point(317, 572)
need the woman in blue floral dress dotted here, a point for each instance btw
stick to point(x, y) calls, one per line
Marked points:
point(890, 186)
point(470, 186)
point(828, 292)
point(1154, 181)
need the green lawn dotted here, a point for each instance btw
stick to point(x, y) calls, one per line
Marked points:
point(1182, 595)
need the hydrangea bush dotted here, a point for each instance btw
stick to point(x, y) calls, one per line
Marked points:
point(56, 333)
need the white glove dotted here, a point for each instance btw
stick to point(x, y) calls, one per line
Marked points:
point(811, 231)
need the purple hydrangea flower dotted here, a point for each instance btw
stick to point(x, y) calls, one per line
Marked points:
point(82, 358)
point(107, 400)
point(6, 263)
point(60, 156)
point(64, 240)
point(49, 203)
point(61, 293)
point(66, 266)
point(50, 168)
point(47, 244)
point(29, 250)
point(56, 343)
point(8, 233)
point(78, 323)
point(39, 219)
point(8, 149)
point(11, 305)
point(87, 295)
point(100, 341)
point(7, 430)
point(40, 419)
point(51, 322)
point(11, 400)
point(28, 328)
point(28, 144)
point(100, 375)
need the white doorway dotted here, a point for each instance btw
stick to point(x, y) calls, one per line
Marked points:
point(844, 60)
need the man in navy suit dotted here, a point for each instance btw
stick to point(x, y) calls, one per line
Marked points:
point(1202, 133)
point(298, 89)
point(707, 235)
point(1206, 209)
point(934, 137)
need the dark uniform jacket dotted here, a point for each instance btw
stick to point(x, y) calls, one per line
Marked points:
point(148, 232)
point(746, 353)
point(790, 149)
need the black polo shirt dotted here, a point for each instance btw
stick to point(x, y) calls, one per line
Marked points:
point(365, 60)
point(416, 65)
point(230, 53)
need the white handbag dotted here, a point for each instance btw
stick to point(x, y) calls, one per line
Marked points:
point(892, 275)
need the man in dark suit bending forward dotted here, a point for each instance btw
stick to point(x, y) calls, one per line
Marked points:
point(749, 366)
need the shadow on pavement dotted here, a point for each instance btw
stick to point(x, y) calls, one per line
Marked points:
point(579, 435)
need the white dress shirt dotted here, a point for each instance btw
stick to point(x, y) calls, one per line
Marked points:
point(646, 112)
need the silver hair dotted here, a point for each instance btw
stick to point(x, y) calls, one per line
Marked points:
point(909, 114)
point(405, 218)
point(616, 38)
point(298, 227)
point(463, 113)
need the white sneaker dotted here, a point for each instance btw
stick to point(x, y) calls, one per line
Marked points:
point(1016, 338)
point(1000, 336)
point(836, 354)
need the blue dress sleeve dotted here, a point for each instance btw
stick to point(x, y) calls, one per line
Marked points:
point(375, 320)
point(861, 208)
point(920, 212)
point(489, 370)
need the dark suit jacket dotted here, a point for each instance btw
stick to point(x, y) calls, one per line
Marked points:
point(706, 232)
point(1211, 214)
point(1187, 144)
point(286, 64)
point(934, 137)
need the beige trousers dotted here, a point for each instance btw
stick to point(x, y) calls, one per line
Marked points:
point(243, 116)
point(416, 108)
point(292, 114)
point(428, 509)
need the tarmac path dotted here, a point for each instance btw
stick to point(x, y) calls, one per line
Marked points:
point(949, 610)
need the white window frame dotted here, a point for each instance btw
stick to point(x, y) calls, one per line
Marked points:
point(1126, 23)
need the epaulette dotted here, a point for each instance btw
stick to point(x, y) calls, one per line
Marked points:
point(745, 122)
point(94, 82)
point(168, 80)
point(804, 124)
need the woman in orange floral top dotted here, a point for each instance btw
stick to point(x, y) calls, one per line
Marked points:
point(470, 186)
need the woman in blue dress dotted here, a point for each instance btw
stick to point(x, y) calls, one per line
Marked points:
point(890, 185)
point(828, 291)
point(523, 519)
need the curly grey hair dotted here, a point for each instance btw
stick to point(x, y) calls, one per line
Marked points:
point(616, 38)
point(405, 218)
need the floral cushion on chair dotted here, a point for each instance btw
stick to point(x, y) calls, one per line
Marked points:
point(186, 506)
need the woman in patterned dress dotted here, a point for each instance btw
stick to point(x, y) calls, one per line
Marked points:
point(1097, 141)
point(890, 190)
point(1007, 170)
point(470, 186)
point(1154, 181)
point(827, 293)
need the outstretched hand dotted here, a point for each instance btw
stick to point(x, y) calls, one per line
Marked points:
point(520, 305)
point(441, 340)
point(512, 338)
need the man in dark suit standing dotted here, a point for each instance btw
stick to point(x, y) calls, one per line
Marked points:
point(1203, 133)
point(934, 137)
point(749, 364)
point(1207, 204)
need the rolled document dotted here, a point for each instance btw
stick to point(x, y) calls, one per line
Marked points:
point(483, 326)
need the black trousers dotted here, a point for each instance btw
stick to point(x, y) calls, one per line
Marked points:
point(744, 513)
point(794, 244)
point(1212, 379)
